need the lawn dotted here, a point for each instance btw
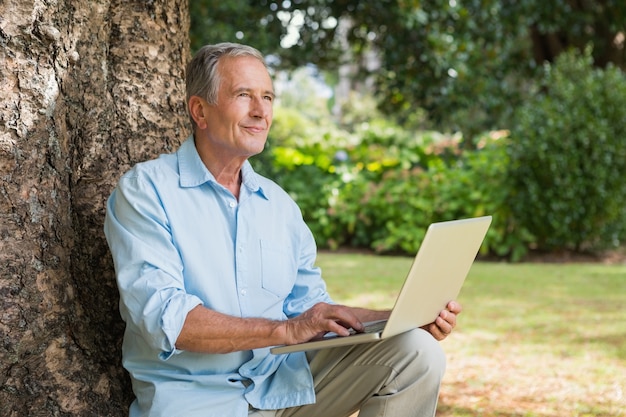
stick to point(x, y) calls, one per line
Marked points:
point(534, 339)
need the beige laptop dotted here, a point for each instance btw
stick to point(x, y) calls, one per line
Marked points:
point(435, 278)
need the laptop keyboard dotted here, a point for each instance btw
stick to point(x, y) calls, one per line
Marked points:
point(372, 327)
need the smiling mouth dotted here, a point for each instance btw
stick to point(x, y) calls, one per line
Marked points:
point(255, 129)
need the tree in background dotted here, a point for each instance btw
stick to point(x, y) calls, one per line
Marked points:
point(557, 26)
point(88, 89)
point(469, 64)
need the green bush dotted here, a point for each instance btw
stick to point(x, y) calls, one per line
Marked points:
point(397, 211)
point(568, 157)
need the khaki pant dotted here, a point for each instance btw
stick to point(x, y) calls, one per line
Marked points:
point(397, 377)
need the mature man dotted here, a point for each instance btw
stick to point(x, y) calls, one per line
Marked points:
point(215, 265)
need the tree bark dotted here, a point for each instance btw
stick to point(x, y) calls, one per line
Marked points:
point(88, 89)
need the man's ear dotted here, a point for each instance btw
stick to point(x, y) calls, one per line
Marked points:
point(197, 109)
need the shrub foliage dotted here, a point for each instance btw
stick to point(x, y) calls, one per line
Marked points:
point(568, 157)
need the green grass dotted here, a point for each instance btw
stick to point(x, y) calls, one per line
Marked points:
point(533, 339)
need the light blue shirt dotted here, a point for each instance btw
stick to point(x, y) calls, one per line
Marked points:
point(180, 239)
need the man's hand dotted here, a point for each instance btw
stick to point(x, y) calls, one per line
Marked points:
point(321, 319)
point(445, 322)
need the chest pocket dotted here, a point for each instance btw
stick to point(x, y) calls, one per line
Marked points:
point(279, 270)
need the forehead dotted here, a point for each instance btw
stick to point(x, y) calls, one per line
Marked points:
point(244, 71)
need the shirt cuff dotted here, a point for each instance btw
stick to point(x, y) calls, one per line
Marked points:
point(173, 320)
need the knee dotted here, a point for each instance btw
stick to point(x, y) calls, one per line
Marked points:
point(422, 352)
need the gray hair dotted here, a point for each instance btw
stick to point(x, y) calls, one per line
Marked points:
point(203, 78)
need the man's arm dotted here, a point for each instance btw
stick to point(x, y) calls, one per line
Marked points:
point(208, 331)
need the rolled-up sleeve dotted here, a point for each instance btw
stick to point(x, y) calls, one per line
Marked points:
point(148, 265)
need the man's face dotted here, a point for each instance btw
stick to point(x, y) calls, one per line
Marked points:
point(238, 125)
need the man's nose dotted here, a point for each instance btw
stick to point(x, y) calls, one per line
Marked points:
point(259, 108)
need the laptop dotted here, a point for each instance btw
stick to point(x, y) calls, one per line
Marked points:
point(435, 278)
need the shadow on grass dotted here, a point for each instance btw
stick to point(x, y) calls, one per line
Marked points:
point(454, 411)
point(611, 342)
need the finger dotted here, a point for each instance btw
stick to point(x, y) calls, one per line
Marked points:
point(448, 317)
point(454, 307)
point(435, 331)
point(337, 328)
point(336, 318)
point(345, 317)
point(444, 326)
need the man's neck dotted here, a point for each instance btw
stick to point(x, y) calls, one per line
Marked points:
point(226, 169)
point(231, 184)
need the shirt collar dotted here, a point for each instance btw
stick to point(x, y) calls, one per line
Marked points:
point(194, 173)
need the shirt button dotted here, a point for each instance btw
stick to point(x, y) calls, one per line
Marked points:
point(232, 204)
point(243, 292)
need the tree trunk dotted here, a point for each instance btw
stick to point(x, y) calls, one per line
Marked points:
point(88, 89)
